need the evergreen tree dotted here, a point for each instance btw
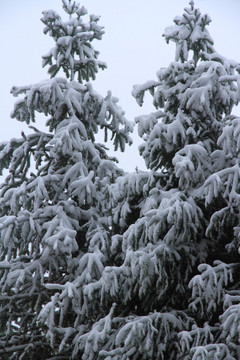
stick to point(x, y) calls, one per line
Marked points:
point(172, 290)
point(97, 264)
point(54, 203)
point(176, 290)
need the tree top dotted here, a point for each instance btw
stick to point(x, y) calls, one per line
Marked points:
point(73, 51)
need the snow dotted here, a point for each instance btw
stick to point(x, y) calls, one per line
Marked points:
point(98, 250)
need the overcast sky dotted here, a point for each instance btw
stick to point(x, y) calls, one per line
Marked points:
point(133, 48)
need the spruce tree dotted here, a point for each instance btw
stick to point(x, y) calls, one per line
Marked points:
point(54, 202)
point(98, 264)
point(178, 280)
point(172, 290)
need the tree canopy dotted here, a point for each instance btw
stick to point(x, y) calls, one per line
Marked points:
point(97, 263)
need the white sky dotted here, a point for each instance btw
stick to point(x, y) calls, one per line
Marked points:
point(132, 46)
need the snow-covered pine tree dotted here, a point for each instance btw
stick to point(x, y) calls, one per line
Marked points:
point(54, 203)
point(180, 259)
point(172, 291)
